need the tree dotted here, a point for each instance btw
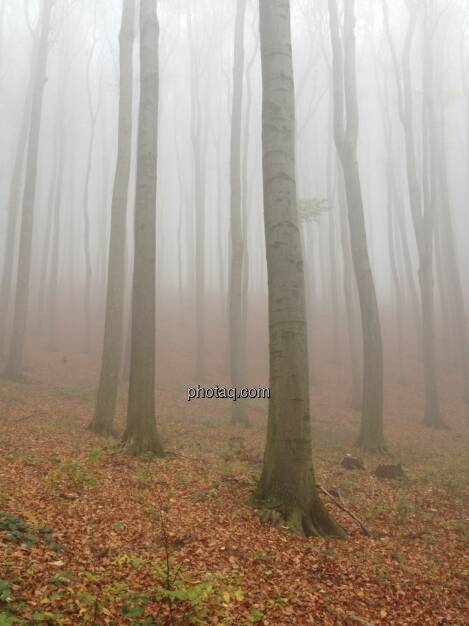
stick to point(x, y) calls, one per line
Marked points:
point(346, 137)
point(237, 334)
point(287, 474)
point(15, 356)
point(93, 112)
point(141, 433)
point(421, 200)
point(199, 147)
point(113, 330)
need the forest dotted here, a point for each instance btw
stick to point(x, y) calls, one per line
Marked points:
point(234, 312)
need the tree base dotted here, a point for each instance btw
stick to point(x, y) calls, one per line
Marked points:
point(313, 523)
point(370, 446)
point(143, 446)
point(103, 430)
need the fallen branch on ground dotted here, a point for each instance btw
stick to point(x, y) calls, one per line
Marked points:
point(341, 506)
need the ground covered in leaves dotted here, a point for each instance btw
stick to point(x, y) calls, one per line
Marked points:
point(90, 535)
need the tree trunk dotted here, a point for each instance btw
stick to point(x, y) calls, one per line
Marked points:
point(86, 217)
point(106, 399)
point(237, 353)
point(350, 285)
point(54, 262)
point(15, 357)
point(287, 479)
point(141, 433)
point(451, 256)
point(199, 201)
point(422, 212)
point(14, 200)
point(371, 435)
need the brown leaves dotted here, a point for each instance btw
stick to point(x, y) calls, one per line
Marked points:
point(106, 508)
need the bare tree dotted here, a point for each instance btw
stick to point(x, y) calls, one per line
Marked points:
point(141, 433)
point(237, 334)
point(93, 113)
point(113, 331)
point(198, 143)
point(287, 474)
point(15, 356)
point(420, 197)
point(346, 137)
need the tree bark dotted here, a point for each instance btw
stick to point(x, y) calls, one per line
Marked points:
point(106, 399)
point(287, 480)
point(371, 435)
point(237, 353)
point(141, 433)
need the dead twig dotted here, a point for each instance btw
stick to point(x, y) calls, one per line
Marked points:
point(341, 506)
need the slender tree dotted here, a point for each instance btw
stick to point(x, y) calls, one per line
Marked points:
point(421, 201)
point(141, 433)
point(113, 330)
point(346, 120)
point(198, 143)
point(287, 474)
point(15, 356)
point(93, 112)
point(237, 334)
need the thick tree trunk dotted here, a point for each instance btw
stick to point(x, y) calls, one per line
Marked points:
point(237, 353)
point(287, 479)
point(141, 433)
point(113, 329)
point(15, 357)
point(371, 435)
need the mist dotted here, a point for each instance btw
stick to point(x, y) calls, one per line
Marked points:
point(233, 234)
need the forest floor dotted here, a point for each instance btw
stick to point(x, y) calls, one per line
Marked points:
point(90, 535)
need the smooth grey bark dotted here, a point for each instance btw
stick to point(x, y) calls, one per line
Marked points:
point(287, 479)
point(235, 309)
point(106, 398)
point(15, 356)
point(371, 435)
point(141, 433)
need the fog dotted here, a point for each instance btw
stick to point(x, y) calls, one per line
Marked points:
point(233, 278)
point(76, 157)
